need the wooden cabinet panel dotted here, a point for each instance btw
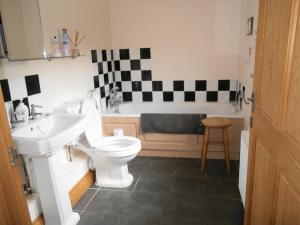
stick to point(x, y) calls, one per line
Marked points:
point(175, 145)
point(129, 129)
point(170, 142)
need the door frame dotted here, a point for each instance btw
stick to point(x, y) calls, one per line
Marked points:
point(12, 199)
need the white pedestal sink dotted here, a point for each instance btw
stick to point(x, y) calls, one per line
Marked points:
point(42, 139)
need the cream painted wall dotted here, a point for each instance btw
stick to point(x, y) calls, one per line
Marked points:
point(247, 60)
point(192, 39)
point(66, 78)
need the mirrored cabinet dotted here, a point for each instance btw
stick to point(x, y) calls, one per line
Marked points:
point(22, 33)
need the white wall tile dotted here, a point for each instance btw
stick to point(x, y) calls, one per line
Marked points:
point(106, 89)
point(200, 96)
point(17, 88)
point(125, 65)
point(118, 76)
point(146, 64)
point(157, 96)
point(110, 77)
point(108, 55)
point(223, 96)
point(147, 86)
point(101, 80)
point(212, 85)
point(126, 86)
point(36, 100)
point(105, 67)
point(168, 85)
point(136, 75)
point(99, 55)
point(178, 96)
point(137, 97)
point(116, 54)
point(95, 69)
point(189, 85)
point(134, 53)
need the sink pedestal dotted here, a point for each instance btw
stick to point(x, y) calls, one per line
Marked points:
point(55, 200)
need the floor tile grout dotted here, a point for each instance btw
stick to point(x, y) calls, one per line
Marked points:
point(136, 184)
point(91, 199)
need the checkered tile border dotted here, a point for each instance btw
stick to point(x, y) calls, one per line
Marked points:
point(130, 70)
point(26, 89)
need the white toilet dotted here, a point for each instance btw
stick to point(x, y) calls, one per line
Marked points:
point(110, 155)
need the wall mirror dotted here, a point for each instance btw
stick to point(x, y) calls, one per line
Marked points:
point(22, 28)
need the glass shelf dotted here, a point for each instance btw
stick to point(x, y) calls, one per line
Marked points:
point(49, 58)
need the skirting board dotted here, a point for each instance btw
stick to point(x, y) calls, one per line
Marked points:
point(75, 194)
point(187, 154)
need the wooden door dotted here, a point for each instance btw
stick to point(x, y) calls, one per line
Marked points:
point(13, 206)
point(273, 187)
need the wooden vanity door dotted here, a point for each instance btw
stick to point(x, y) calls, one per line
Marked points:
point(273, 187)
point(13, 205)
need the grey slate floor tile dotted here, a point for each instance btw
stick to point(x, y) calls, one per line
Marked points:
point(99, 218)
point(84, 200)
point(169, 191)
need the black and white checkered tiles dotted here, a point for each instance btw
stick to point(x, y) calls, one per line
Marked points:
point(103, 73)
point(177, 90)
point(26, 89)
point(131, 72)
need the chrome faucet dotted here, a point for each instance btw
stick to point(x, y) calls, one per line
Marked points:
point(34, 114)
point(115, 99)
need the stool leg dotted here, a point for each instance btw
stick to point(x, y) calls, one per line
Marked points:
point(204, 149)
point(226, 150)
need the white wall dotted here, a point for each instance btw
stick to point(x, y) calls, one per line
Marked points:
point(246, 60)
point(192, 39)
point(61, 79)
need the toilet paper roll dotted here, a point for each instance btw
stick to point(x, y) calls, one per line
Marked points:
point(118, 132)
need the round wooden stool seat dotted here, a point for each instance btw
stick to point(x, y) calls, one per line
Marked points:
point(216, 123)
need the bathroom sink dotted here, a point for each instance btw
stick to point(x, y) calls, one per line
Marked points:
point(48, 134)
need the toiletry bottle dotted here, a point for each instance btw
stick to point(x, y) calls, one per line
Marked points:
point(22, 112)
point(65, 43)
point(55, 47)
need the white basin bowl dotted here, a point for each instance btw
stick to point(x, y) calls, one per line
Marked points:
point(48, 134)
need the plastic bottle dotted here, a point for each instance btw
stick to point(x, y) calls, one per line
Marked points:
point(55, 47)
point(22, 112)
point(65, 43)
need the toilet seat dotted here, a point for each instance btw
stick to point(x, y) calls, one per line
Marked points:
point(117, 146)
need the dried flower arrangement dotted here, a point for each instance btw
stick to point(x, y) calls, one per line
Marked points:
point(75, 43)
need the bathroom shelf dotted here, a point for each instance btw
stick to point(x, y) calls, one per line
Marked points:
point(62, 57)
point(49, 58)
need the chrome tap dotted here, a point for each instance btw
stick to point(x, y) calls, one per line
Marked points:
point(115, 99)
point(34, 114)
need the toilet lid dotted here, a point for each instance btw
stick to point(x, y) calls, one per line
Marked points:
point(93, 131)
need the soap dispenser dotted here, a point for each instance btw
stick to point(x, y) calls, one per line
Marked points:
point(22, 112)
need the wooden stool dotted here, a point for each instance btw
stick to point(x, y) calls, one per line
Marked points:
point(217, 123)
